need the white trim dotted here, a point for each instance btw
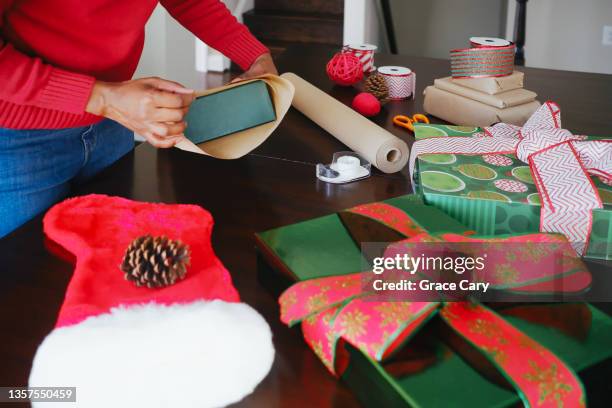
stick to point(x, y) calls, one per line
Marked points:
point(201, 56)
point(510, 16)
point(202, 354)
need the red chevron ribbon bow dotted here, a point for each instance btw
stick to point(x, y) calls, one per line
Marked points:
point(560, 163)
point(337, 309)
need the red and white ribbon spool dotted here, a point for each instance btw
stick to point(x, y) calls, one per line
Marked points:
point(365, 53)
point(400, 80)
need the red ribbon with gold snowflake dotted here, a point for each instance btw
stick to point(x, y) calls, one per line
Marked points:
point(334, 310)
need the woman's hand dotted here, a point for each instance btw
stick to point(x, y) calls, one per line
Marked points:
point(262, 65)
point(152, 107)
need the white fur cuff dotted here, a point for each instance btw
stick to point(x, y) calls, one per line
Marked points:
point(200, 354)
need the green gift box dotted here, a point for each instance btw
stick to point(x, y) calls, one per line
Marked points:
point(427, 371)
point(229, 111)
point(495, 194)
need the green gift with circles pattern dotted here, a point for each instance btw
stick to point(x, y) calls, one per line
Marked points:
point(495, 194)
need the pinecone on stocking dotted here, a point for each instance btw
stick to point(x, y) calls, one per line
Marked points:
point(377, 86)
point(155, 262)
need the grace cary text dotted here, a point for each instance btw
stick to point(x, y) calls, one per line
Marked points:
point(426, 285)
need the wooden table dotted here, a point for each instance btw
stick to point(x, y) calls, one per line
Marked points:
point(273, 186)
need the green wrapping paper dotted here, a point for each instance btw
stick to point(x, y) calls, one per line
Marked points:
point(295, 243)
point(429, 371)
point(229, 111)
point(495, 194)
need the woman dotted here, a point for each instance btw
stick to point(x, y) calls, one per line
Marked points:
point(67, 105)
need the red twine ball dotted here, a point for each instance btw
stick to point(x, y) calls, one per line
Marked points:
point(345, 69)
point(366, 104)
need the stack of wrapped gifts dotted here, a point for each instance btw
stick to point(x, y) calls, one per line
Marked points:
point(484, 88)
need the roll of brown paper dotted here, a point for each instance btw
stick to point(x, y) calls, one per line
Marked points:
point(383, 149)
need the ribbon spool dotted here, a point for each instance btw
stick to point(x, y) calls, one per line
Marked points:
point(488, 57)
point(365, 53)
point(401, 81)
point(477, 42)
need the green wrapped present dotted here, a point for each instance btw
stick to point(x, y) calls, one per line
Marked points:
point(495, 194)
point(229, 111)
point(434, 368)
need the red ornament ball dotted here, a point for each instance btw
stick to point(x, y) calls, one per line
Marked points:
point(366, 104)
point(345, 69)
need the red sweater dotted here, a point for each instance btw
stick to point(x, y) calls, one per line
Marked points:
point(52, 51)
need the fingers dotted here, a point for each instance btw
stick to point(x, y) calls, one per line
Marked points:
point(176, 128)
point(262, 65)
point(169, 86)
point(164, 99)
point(169, 94)
point(162, 142)
point(167, 129)
point(153, 107)
point(169, 115)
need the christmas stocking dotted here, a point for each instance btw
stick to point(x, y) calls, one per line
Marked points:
point(162, 326)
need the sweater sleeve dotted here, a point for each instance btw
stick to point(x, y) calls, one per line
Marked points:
point(29, 81)
point(212, 22)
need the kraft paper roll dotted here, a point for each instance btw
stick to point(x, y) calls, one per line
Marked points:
point(381, 148)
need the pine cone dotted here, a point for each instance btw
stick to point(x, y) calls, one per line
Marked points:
point(377, 86)
point(155, 262)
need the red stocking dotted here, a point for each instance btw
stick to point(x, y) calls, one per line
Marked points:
point(192, 344)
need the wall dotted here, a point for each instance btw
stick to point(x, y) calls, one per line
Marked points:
point(169, 51)
point(431, 28)
point(362, 23)
point(566, 34)
point(153, 59)
point(561, 34)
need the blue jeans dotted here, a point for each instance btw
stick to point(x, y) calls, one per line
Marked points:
point(38, 167)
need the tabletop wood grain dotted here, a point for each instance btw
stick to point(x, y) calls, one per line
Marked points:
point(273, 186)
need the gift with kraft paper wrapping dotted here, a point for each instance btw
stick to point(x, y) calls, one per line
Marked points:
point(238, 143)
point(424, 361)
point(509, 179)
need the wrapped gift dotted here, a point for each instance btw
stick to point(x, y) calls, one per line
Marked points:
point(422, 354)
point(493, 85)
point(501, 100)
point(475, 176)
point(480, 101)
point(463, 110)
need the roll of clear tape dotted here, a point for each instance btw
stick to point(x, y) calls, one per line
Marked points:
point(384, 150)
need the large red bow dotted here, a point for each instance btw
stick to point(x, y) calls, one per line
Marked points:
point(336, 309)
point(560, 163)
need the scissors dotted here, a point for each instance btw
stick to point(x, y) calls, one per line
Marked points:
point(408, 122)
